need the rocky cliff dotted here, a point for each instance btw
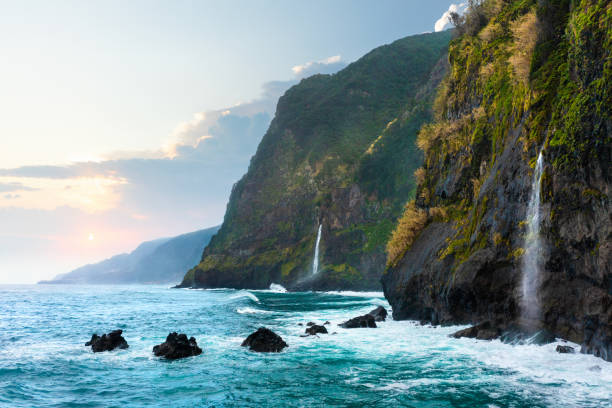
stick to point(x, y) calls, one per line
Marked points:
point(340, 154)
point(525, 77)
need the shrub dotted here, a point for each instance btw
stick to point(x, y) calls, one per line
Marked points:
point(419, 175)
point(412, 221)
point(438, 214)
point(525, 31)
point(475, 17)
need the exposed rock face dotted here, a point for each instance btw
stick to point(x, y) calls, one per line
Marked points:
point(359, 321)
point(316, 329)
point(107, 342)
point(379, 314)
point(265, 340)
point(339, 153)
point(465, 265)
point(177, 346)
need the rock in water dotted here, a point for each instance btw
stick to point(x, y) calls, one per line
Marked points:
point(315, 329)
point(177, 346)
point(565, 349)
point(264, 340)
point(482, 331)
point(360, 321)
point(107, 342)
point(379, 314)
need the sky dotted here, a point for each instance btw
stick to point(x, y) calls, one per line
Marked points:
point(126, 121)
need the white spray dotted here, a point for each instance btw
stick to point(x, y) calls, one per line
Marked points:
point(315, 261)
point(531, 261)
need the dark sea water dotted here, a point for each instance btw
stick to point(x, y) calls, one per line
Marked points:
point(44, 363)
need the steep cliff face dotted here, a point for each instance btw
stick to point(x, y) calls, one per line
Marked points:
point(526, 77)
point(339, 153)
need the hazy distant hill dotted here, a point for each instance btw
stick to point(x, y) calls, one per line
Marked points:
point(160, 261)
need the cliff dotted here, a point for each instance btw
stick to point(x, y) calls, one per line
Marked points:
point(525, 77)
point(339, 153)
point(153, 262)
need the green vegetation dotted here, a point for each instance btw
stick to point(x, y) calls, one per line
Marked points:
point(512, 69)
point(340, 152)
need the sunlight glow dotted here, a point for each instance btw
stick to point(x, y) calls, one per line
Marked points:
point(90, 194)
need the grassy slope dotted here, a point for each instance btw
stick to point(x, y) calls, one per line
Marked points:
point(332, 136)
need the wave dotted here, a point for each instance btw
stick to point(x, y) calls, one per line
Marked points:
point(355, 293)
point(245, 294)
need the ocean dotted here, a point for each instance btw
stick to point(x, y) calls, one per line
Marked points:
point(44, 363)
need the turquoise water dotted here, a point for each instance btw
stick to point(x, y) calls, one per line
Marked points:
point(43, 362)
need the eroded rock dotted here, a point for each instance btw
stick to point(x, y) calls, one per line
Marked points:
point(316, 329)
point(107, 342)
point(264, 340)
point(482, 331)
point(177, 346)
point(379, 314)
point(565, 349)
point(359, 321)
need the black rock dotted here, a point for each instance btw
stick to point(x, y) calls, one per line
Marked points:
point(107, 342)
point(565, 349)
point(359, 321)
point(315, 329)
point(264, 340)
point(310, 324)
point(327, 322)
point(482, 331)
point(177, 346)
point(379, 314)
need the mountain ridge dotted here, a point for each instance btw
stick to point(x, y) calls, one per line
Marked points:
point(162, 260)
point(330, 139)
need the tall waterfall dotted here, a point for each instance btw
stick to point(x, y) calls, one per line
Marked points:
point(532, 258)
point(315, 261)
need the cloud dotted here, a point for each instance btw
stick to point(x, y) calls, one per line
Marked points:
point(444, 22)
point(132, 196)
point(329, 65)
point(13, 186)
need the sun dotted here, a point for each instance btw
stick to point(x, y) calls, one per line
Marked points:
point(91, 237)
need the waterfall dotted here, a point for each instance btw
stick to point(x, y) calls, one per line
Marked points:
point(531, 260)
point(315, 261)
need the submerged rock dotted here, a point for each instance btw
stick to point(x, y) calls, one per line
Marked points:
point(177, 346)
point(565, 349)
point(482, 331)
point(107, 342)
point(379, 314)
point(315, 329)
point(360, 321)
point(264, 340)
point(595, 369)
point(327, 322)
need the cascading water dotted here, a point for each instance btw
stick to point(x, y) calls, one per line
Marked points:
point(315, 261)
point(531, 260)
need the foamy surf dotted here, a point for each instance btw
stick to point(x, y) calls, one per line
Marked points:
point(250, 310)
point(399, 363)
